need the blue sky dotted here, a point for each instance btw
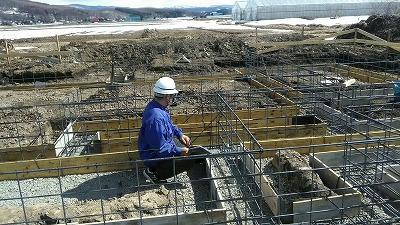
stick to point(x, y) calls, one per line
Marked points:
point(140, 3)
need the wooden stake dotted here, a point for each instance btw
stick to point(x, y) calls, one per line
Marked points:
point(58, 47)
point(355, 38)
point(6, 47)
point(256, 35)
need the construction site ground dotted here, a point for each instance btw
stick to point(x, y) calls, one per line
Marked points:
point(150, 54)
point(147, 55)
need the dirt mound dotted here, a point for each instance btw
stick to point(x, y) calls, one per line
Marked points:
point(208, 52)
point(382, 26)
point(301, 178)
point(152, 50)
point(165, 50)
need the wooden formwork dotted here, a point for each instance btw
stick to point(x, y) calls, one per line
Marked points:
point(27, 153)
point(330, 39)
point(269, 123)
point(390, 176)
point(239, 135)
point(125, 148)
point(346, 201)
point(204, 217)
point(203, 118)
point(274, 122)
point(278, 97)
point(256, 127)
point(261, 129)
point(316, 144)
point(361, 74)
point(387, 177)
point(270, 81)
point(54, 167)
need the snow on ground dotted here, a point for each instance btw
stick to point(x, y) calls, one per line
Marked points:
point(18, 32)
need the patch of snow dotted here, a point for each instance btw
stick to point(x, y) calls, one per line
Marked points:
point(36, 31)
point(24, 48)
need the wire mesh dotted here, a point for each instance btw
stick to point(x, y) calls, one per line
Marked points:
point(81, 148)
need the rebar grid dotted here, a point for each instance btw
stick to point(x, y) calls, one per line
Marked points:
point(359, 109)
point(348, 111)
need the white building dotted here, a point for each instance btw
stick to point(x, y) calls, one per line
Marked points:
point(238, 10)
point(310, 9)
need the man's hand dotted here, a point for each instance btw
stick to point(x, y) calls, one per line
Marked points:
point(185, 151)
point(185, 140)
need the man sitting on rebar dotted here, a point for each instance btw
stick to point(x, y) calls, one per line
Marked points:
point(156, 136)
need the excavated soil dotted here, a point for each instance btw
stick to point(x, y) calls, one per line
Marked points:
point(292, 177)
point(210, 52)
point(386, 27)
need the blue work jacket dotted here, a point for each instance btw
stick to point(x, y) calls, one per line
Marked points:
point(396, 88)
point(156, 134)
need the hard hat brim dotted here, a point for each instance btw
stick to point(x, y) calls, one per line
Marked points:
point(165, 92)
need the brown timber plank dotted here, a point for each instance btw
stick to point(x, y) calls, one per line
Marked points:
point(115, 124)
point(45, 166)
point(335, 142)
point(269, 81)
point(270, 196)
point(273, 94)
point(370, 73)
point(357, 75)
point(199, 127)
point(53, 86)
point(209, 137)
point(102, 84)
point(304, 42)
point(27, 153)
point(324, 209)
point(198, 217)
point(268, 131)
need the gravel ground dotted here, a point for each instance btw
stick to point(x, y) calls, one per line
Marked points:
point(117, 195)
point(126, 194)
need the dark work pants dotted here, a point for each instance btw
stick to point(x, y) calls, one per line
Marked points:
point(166, 168)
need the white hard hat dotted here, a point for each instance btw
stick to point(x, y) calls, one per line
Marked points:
point(165, 85)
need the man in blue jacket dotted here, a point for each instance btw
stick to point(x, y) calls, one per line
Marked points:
point(156, 136)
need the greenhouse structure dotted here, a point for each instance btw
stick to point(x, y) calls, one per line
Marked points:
point(310, 9)
point(238, 12)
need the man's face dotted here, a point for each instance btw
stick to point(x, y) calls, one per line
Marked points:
point(170, 98)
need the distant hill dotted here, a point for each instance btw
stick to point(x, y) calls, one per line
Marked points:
point(168, 12)
point(223, 9)
point(175, 11)
point(24, 10)
point(29, 12)
point(207, 9)
point(185, 8)
point(90, 7)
